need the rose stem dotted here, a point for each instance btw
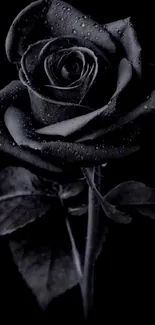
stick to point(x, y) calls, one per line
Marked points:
point(90, 251)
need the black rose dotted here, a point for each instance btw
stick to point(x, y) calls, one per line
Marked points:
point(84, 82)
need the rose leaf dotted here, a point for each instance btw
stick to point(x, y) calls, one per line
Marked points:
point(22, 199)
point(109, 208)
point(43, 254)
point(135, 195)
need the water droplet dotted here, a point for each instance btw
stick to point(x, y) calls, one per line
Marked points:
point(79, 18)
point(88, 34)
point(74, 31)
point(82, 25)
point(68, 9)
point(104, 165)
point(58, 3)
point(62, 18)
point(95, 25)
point(85, 17)
point(96, 38)
point(145, 107)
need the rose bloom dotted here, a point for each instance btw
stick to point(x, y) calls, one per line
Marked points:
point(80, 100)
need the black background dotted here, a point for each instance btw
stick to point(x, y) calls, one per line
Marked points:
point(125, 272)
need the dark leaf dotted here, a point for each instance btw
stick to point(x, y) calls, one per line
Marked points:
point(70, 190)
point(134, 195)
point(43, 255)
point(109, 209)
point(79, 210)
point(22, 199)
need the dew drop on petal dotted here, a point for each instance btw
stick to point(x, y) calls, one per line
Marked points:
point(88, 34)
point(95, 25)
point(104, 165)
point(74, 31)
point(145, 107)
point(82, 25)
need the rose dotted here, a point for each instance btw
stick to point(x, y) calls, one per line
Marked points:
point(64, 75)
point(82, 131)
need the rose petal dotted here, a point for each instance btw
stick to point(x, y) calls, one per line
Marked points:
point(44, 19)
point(116, 28)
point(14, 93)
point(31, 62)
point(65, 153)
point(57, 152)
point(20, 127)
point(26, 156)
point(71, 126)
point(76, 93)
point(47, 111)
point(141, 111)
point(32, 68)
point(132, 47)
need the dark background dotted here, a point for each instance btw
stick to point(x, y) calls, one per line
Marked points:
point(125, 275)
